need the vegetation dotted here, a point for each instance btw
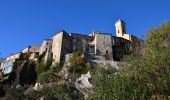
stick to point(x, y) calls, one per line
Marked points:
point(78, 64)
point(52, 75)
point(12, 93)
point(28, 74)
point(54, 92)
point(16, 64)
point(145, 74)
point(42, 67)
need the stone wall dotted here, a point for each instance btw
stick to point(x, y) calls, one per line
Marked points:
point(14, 56)
point(34, 48)
point(103, 45)
point(105, 63)
point(62, 45)
point(80, 42)
point(56, 46)
point(46, 46)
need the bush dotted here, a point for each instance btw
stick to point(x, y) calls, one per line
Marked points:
point(2, 92)
point(47, 77)
point(42, 67)
point(52, 75)
point(78, 64)
point(12, 93)
point(54, 92)
point(28, 74)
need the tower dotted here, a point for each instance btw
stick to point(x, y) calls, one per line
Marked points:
point(120, 28)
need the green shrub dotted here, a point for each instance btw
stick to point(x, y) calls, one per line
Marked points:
point(78, 64)
point(41, 66)
point(14, 94)
point(47, 77)
point(54, 92)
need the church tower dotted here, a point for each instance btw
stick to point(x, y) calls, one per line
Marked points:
point(120, 28)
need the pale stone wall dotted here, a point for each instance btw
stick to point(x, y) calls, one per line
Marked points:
point(26, 50)
point(103, 44)
point(120, 28)
point(46, 46)
point(66, 45)
point(127, 37)
point(56, 47)
point(13, 56)
point(34, 48)
point(80, 42)
point(106, 63)
point(33, 56)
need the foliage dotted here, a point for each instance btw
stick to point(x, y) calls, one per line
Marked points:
point(144, 75)
point(12, 93)
point(47, 77)
point(28, 74)
point(42, 67)
point(2, 92)
point(40, 57)
point(16, 64)
point(51, 75)
point(55, 68)
point(54, 92)
point(78, 64)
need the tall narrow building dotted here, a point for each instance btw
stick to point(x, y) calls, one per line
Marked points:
point(120, 28)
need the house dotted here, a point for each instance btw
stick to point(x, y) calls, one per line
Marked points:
point(98, 45)
point(30, 52)
point(7, 64)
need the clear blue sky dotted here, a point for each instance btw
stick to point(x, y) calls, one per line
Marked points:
point(27, 22)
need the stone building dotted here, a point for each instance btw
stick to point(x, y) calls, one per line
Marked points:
point(62, 45)
point(7, 64)
point(97, 46)
point(31, 52)
point(46, 47)
point(121, 32)
point(18, 55)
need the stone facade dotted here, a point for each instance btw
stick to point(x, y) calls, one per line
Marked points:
point(97, 45)
point(31, 52)
point(14, 56)
point(80, 42)
point(46, 46)
point(56, 46)
point(103, 45)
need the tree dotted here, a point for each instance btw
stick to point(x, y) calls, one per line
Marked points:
point(144, 75)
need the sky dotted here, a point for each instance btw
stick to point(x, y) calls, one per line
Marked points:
point(28, 22)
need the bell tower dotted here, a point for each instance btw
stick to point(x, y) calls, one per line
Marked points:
point(120, 28)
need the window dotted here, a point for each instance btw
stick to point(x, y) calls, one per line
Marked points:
point(118, 31)
point(47, 43)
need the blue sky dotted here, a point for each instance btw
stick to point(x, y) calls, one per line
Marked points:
point(28, 22)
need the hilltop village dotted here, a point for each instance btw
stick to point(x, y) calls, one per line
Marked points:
point(97, 47)
point(68, 49)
